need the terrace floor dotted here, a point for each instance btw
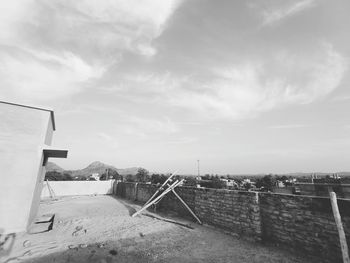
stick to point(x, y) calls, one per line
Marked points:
point(100, 229)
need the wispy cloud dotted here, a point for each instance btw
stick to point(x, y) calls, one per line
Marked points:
point(274, 14)
point(39, 76)
point(241, 91)
point(50, 49)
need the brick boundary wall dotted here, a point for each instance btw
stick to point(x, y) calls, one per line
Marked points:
point(303, 224)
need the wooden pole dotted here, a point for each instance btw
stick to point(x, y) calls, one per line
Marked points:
point(51, 192)
point(188, 208)
point(160, 188)
point(342, 238)
point(176, 183)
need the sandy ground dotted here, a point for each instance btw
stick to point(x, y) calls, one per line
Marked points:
point(100, 229)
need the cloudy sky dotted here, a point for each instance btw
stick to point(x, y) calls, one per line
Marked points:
point(245, 86)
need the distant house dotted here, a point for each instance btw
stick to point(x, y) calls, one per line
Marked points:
point(229, 183)
point(25, 138)
point(279, 184)
point(95, 176)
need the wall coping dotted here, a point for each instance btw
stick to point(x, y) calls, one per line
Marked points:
point(204, 189)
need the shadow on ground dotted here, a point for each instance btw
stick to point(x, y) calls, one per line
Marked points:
point(98, 252)
point(131, 209)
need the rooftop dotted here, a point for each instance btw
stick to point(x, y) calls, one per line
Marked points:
point(100, 229)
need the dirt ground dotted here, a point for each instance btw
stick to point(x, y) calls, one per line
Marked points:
point(101, 229)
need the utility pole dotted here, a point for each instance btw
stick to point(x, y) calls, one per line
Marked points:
point(198, 167)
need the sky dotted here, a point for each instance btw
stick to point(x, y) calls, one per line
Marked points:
point(243, 86)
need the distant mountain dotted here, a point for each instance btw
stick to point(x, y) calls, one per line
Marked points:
point(95, 167)
point(50, 166)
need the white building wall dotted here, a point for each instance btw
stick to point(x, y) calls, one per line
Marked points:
point(68, 188)
point(23, 132)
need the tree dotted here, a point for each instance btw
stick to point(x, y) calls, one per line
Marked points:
point(110, 174)
point(190, 181)
point(267, 182)
point(206, 177)
point(158, 178)
point(217, 183)
point(130, 178)
point(247, 185)
point(57, 176)
point(53, 176)
point(142, 175)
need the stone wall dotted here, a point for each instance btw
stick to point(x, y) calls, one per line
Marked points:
point(303, 224)
point(236, 211)
point(318, 189)
point(126, 190)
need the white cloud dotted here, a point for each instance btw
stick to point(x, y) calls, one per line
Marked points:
point(29, 75)
point(105, 26)
point(51, 49)
point(275, 14)
point(128, 24)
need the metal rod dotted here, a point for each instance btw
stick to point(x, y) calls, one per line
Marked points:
point(198, 167)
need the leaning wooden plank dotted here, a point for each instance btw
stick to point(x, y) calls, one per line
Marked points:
point(51, 191)
point(169, 220)
point(160, 188)
point(176, 183)
point(342, 238)
point(188, 208)
point(157, 198)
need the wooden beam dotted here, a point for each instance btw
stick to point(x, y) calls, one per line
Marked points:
point(176, 183)
point(160, 188)
point(342, 237)
point(188, 208)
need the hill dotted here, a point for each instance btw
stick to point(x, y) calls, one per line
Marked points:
point(95, 167)
point(50, 166)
